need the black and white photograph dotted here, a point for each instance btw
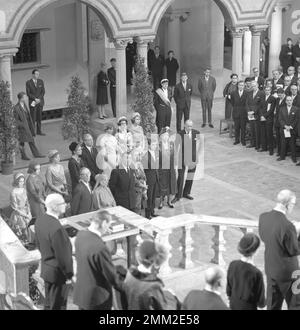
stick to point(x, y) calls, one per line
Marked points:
point(149, 158)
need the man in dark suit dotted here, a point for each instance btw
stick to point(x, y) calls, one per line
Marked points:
point(82, 201)
point(258, 78)
point(282, 247)
point(122, 183)
point(25, 127)
point(286, 55)
point(296, 54)
point(163, 106)
point(156, 67)
point(210, 297)
point(239, 113)
point(56, 253)
point(96, 274)
point(253, 104)
point(131, 51)
point(287, 85)
point(277, 81)
point(280, 102)
point(35, 90)
point(295, 96)
point(151, 166)
point(207, 86)
point(182, 96)
point(267, 110)
point(288, 119)
point(187, 148)
point(291, 72)
point(89, 156)
point(111, 73)
point(172, 67)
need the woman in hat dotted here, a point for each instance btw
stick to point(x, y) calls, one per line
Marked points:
point(167, 173)
point(35, 187)
point(139, 139)
point(55, 175)
point(21, 214)
point(143, 288)
point(102, 98)
point(106, 145)
point(163, 106)
point(102, 196)
point(124, 137)
point(75, 164)
point(245, 285)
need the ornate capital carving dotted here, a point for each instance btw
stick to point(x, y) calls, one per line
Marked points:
point(258, 29)
point(180, 14)
point(282, 7)
point(8, 52)
point(238, 32)
point(121, 43)
point(144, 40)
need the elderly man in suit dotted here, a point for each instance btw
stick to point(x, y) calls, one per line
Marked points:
point(282, 246)
point(288, 119)
point(151, 168)
point(238, 99)
point(156, 67)
point(82, 201)
point(207, 86)
point(122, 183)
point(182, 96)
point(35, 90)
point(267, 110)
point(258, 78)
point(56, 253)
point(295, 96)
point(210, 297)
point(25, 127)
point(163, 106)
point(253, 104)
point(89, 156)
point(96, 273)
point(187, 148)
point(111, 73)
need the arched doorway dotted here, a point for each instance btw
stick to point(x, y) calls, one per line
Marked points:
point(61, 38)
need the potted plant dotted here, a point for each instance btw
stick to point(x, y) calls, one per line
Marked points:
point(8, 130)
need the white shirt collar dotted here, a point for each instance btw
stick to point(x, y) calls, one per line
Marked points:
point(143, 269)
point(278, 209)
point(209, 289)
point(94, 231)
point(87, 185)
point(52, 214)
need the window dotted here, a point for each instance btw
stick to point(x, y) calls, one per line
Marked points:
point(29, 51)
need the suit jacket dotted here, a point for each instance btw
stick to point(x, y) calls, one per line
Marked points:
point(277, 111)
point(172, 68)
point(74, 170)
point(239, 105)
point(56, 251)
point(82, 200)
point(281, 245)
point(183, 97)
point(186, 148)
point(288, 119)
point(89, 161)
point(296, 53)
point(160, 104)
point(267, 108)
point(286, 60)
point(35, 92)
point(260, 81)
point(280, 81)
point(151, 168)
point(122, 186)
point(207, 89)
point(203, 300)
point(296, 101)
point(111, 73)
point(157, 65)
point(24, 123)
point(254, 104)
point(96, 274)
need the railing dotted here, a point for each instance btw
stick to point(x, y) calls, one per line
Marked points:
point(15, 260)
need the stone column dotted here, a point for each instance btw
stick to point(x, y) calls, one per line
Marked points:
point(247, 53)
point(256, 41)
point(142, 47)
point(237, 49)
point(121, 87)
point(276, 37)
point(5, 66)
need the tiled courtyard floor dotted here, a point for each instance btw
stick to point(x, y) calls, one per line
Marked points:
point(238, 183)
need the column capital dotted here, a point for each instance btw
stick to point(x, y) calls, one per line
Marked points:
point(180, 14)
point(279, 7)
point(258, 29)
point(8, 52)
point(238, 32)
point(144, 39)
point(121, 43)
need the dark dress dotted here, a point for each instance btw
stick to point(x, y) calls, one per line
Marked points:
point(102, 83)
point(229, 89)
point(167, 173)
point(74, 170)
point(245, 286)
